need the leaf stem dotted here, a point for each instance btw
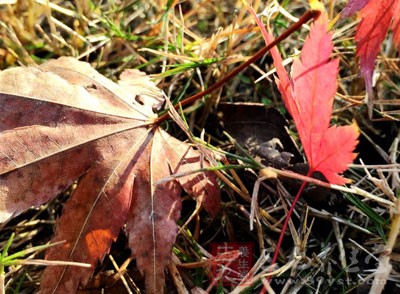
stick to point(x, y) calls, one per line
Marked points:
point(285, 224)
point(310, 14)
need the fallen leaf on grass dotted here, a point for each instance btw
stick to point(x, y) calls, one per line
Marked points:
point(308, 95)
point(376, 18)
point(63, 121)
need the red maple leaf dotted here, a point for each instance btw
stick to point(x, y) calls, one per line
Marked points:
point(376, 17)
point(308, 95)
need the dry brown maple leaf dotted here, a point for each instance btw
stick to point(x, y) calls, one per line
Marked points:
point(64, 121)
